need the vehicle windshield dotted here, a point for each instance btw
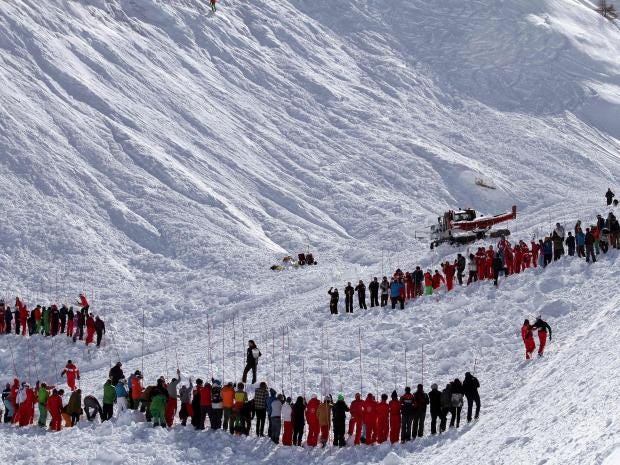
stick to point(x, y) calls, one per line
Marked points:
point(465, 216)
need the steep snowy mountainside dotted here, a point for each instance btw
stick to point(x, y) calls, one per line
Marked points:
point(141, 133)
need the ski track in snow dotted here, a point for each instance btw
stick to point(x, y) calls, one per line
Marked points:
point(160, 158)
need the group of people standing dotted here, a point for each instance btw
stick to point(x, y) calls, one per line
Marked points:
point(284, 420)
point(53, 321)
point(485, 264)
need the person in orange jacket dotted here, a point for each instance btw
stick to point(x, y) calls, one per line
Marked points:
point(72, 372)
point(228, 400)
point(313, 421)
point(357, 417)
point(394, 407)
point(383, 419)
point(54, 407)
point(136, 389)
point(90, 329)
point(528, 339)
point(428, 283)
point(370, 419)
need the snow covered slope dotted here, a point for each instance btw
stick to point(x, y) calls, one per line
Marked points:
point(161, 158)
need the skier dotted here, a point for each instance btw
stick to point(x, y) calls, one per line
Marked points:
point(26, 400)
point(394, 292)
point(542, 327)
point(260, 407)
point(298, 417)
point(609, 195)
point(313, 421)
point(470, 389)
point(434, 398)
point(99, 329)
point(373, 287)
point(357, 418)
point(333, 300)
point(339, 414)
point(394, 407)
point(407, 412)
point(421, 400)
point(385, 291)
point(251, 361)
point(361, 295)
point(370, 419)
point(528, 339)
point(323, 415)
point(348, 298)
point(136, 389)
point(383, 419)
point(72, 373)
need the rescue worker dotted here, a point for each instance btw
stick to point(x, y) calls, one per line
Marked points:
point(72, 372)
point(528, 339)
point(357, 418)
point(542, 327)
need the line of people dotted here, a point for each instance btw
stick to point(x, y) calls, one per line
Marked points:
point(370, 420)
point(53, 321)
point(484, 264)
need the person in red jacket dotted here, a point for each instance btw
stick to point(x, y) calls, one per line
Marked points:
point(449, 270)
point(526, 256)
point(394, 407)
point(370, 419)
point(23, 319)
point(54, 407)
point(518, 259)
point(26, 400)
point(13, 399)
point(83, 303)
point(535, 252)
point(205, 403)
point(428, 283)
point(313, 421)
point(383, 419)
point(72, 372)
point(357, 417)
point(437, 281)
point(90, 329)
point(409, 285)
point(528, 339)
point(481, 261)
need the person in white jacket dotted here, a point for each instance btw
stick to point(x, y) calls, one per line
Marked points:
point(276, 418)
point(286, 416)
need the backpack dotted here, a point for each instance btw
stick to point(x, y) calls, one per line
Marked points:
point(457, 399)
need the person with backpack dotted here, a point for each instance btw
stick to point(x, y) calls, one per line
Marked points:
point(434, 398)
point(542, 327)
point(333, 300)
point(373, 288)
point(528, 339)
point(470, 389)
point(457, 402)
point(407, 411)
point(260, 407)
point(348, 298)
point(361, 295)
point(385, 291)
point(298, 416)
point(251, 361)
point(420, 401)
point(339, 416)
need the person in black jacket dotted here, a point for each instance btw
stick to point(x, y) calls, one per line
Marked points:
point(333, 300)
point(470, 389)
point(590, 246)
point(339, 415)
point(418, 279)
point(457, 402)
point(570, 244)
point(361, 294)
point(542, 327)
point(373, 287)
point(434, 398)
point(460, 268)
point(348, 298)
point(100, 329)
point(8, 317)
point(446, 406)
point(116, 373)
point(498, 265)
point(299, 420)
point(421, 400)
point(609, 195)
point(63, 318)
point(251, 361)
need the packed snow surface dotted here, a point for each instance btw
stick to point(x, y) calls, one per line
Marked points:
point(161, 158)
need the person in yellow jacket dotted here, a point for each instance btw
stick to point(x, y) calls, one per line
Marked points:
point(324, 413)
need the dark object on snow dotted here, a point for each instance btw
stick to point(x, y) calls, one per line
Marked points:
point(607, 10)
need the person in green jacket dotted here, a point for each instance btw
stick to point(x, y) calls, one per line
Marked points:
point(109, 397)
point(42, 395)
point(159, 398)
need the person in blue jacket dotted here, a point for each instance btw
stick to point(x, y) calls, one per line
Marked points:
point(272, 396)
point(547, 251)
point(395, 293)
point(580, 240)
point(121, 396)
